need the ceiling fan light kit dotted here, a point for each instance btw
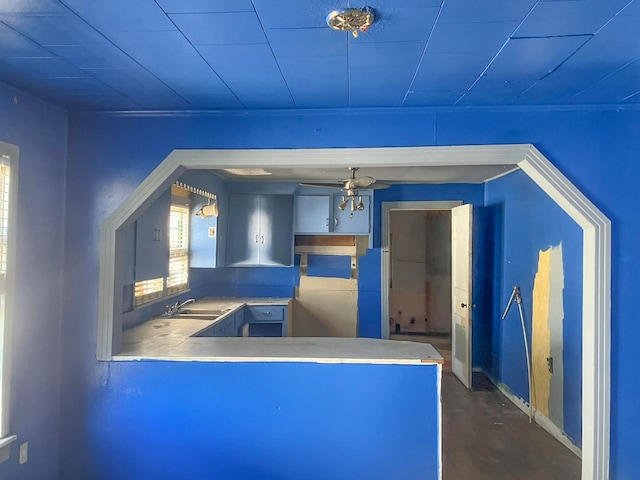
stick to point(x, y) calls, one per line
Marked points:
point(351, 186)
point(352, 20)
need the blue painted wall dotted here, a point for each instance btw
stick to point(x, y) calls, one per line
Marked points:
point(533, 222)
point(40, 131)
point(109, 155)
point(237, 421)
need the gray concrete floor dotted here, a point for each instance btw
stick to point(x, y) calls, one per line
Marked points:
point(486, 437)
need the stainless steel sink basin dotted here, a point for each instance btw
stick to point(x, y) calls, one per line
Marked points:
point(198, 316)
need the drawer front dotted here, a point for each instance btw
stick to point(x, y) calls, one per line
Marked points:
point(264, 314)
point(219, 329)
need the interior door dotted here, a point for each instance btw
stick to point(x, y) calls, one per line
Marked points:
point(461, 242)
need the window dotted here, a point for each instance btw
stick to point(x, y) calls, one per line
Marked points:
point(178, 280)
point(148, 290)
point(8, 169)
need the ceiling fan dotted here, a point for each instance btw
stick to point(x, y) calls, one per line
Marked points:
point(351, 186)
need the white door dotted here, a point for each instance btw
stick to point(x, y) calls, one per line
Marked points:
point(461, 224)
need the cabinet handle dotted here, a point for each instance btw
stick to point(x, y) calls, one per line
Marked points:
point(335, 222)
point(262, 239)
point(326, 223)
point(256, 238)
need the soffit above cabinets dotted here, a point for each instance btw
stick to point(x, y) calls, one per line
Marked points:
point(443, 174)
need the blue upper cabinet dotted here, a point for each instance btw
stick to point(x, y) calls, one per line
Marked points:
point(152, 240)
point(260, 230)
point(321, 214)
point(346, 221)
point(311, 213)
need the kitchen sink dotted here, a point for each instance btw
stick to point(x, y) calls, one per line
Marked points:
point(199, 315)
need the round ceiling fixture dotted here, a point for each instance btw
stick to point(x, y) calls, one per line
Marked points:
point(352, 20)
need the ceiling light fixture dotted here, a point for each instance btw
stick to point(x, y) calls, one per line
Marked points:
point(352, 20)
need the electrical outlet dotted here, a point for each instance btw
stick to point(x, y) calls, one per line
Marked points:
point(24, 453)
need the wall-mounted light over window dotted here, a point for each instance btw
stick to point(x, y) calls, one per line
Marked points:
point(208, 210)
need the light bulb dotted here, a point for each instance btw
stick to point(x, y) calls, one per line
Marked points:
point(343, 205)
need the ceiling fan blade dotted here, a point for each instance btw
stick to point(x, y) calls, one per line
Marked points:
point(378, 186)
point(325, 185)
point(362, 182)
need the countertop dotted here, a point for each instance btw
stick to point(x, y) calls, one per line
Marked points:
point(171, 339)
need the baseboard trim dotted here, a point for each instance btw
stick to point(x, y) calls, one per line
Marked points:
point(545, 423)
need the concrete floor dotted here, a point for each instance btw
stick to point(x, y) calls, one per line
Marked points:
point(486, 437)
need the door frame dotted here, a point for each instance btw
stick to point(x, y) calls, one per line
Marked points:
point(596, 227)
point(385, 267)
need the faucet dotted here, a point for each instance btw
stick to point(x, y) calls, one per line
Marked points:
point(173, 310)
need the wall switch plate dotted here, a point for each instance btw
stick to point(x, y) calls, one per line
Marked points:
point(212, 232)
point(24, 453)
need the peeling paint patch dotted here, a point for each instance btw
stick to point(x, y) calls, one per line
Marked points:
point(547, 335)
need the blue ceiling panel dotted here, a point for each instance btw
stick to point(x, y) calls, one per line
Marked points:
point(75, 86)
point(620, 33)
point(568, 17)
point(54, 29)
point(150, 101)
point(382, 88)
point(220, 28)
point(122, 15)
point(205, 6)
point(32, 6)
point(265, 97)
point(450, 71)
point(470, 37)
point(295, 13)
point(101, 102)
point(473, 11)
point(212, 102)
point(151, 48)
point(36, 67)
point(616, 87)
point(442, 97)
point(400, 24)
point(83, 56)
point(375, 98)
point(632, 9)
point(486, 90)
point(319, 97)
point(533, 57)
point(126, 77)
point(256, 54)
point(299, 42)
point(190, 75)
point(632, 98)
point(382, 5)
point(243, 64)
point(13, 44)
point(397, 55)
point(329, 73)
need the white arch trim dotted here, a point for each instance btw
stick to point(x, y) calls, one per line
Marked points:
point(596, 309)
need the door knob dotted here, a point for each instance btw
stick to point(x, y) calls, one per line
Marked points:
point(463, 305)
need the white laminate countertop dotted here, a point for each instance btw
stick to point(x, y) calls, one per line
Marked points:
point(171, 339)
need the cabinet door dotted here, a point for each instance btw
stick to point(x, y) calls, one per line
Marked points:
point(276, 230)
point(346, 221)
point(243, 232)
point(311, 213)
point(152, 240)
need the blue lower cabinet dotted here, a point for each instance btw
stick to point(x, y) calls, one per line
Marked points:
point(261, 321)
point(266, 321)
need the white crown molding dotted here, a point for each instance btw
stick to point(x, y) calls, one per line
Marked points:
point(595, 225)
